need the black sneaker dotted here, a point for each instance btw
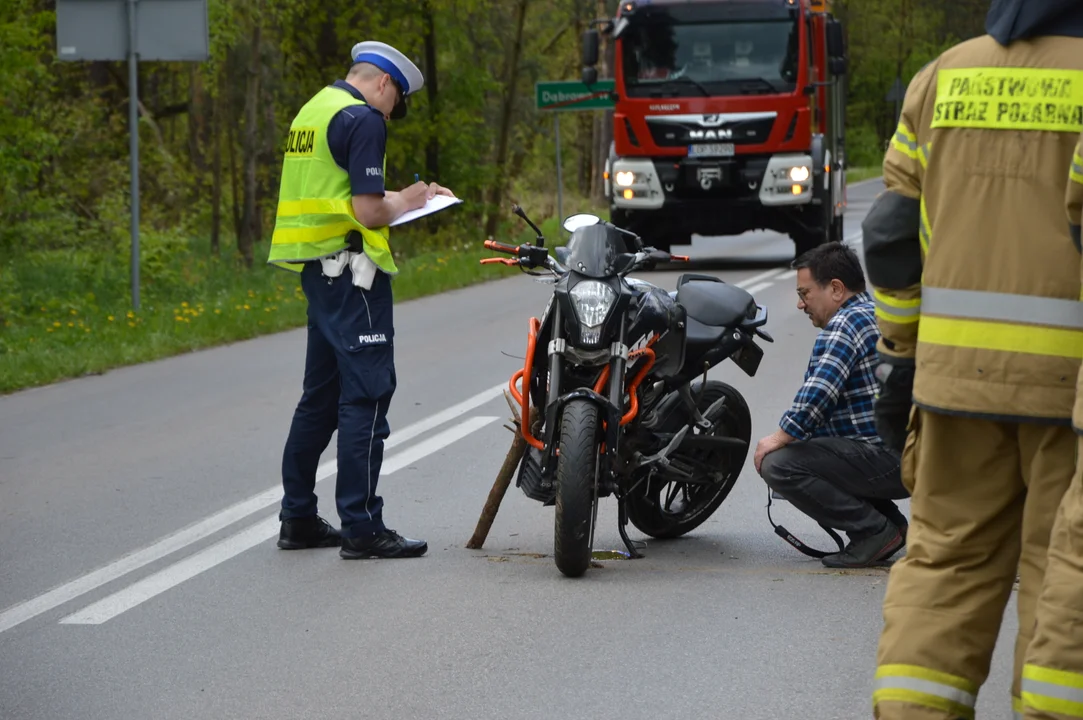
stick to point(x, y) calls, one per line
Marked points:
point(388, 544)
point(868, 551)
point(307, 532)
point(893, 514)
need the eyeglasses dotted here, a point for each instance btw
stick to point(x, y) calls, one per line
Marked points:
point(399, 88)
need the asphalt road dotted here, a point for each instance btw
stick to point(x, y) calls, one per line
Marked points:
point(139, 576)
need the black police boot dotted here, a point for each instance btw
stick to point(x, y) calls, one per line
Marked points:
point(307, 532)
point(387, 544)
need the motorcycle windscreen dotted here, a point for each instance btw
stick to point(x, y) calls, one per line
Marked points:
point(596, 251)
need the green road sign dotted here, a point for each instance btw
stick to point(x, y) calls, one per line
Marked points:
point(569, 95)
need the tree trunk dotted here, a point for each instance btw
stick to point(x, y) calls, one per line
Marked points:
point(432, 149)
point(250, 221)
point(216, 163)
point(511, 77)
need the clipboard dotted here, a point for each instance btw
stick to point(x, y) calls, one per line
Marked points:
point(436, 204)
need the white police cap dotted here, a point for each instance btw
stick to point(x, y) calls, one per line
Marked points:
point(395, 64)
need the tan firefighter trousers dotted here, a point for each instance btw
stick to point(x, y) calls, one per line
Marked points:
point(984, 495)
point(1053, 673)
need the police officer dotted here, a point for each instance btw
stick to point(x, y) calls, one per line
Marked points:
point(1053, 674)
point(977, 289)
point(332, 228)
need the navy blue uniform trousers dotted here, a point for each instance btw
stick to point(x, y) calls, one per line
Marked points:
point(348, 384)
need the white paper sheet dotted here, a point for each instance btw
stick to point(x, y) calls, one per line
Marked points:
point(438, 203)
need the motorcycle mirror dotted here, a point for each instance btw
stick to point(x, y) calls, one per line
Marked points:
point(574, 222)
point(519, 211)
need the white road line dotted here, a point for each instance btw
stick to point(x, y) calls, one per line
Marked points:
point(757, 278)
point(757, 287)
point(18, 614)
point(788, 275)
point(147, 588)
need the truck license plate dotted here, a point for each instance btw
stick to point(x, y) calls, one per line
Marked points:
point(711, 150)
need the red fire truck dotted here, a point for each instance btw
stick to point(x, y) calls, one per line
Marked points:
point(729, 117)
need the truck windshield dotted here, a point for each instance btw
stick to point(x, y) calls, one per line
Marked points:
point(665, 57)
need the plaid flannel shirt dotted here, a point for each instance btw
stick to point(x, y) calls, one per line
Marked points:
point(836, 398)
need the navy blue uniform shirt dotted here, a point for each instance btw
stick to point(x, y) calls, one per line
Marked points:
point(357, 136)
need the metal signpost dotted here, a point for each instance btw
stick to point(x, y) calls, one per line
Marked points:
point(558, 96)
point(897, 94)
point(116, 30)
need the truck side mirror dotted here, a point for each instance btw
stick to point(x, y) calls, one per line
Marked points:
point(590, 47)
point(835, 42)
point(836, 48)
point(590, 76)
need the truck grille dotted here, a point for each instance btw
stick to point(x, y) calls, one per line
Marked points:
point(683, 130)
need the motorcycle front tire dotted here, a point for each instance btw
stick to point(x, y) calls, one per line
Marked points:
point(576, 469)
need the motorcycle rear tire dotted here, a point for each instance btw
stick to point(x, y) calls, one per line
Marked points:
point(644, 508)
point(576, 469)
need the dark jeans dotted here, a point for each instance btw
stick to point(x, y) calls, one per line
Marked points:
point(348, 385)
point(840, 483)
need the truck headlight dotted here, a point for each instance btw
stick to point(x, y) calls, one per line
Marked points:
point(592, 301)
point(799, 174)
point(625, 178)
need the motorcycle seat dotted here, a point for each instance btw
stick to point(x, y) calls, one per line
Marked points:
point(700, 338)
point(714, 303)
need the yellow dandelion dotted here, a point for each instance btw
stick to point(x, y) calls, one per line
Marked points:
point(56, 324)
point(71, 324)
point(178, 318)
point(48, 329)
point(86, 329)
point(184, 304)
point(246, 307)
point(74, 311)
point(131, 324)
point(131, 314)
point(217, 311)
point(110, 318)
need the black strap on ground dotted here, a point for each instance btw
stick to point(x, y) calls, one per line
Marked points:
point(792, 539)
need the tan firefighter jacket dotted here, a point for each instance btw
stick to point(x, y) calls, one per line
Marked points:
point(974, 274)
point(1073, 201)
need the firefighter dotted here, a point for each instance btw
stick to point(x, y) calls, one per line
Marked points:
point(977, 290)
point(1052, 681)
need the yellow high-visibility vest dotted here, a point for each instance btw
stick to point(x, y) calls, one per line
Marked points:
point(315, 207)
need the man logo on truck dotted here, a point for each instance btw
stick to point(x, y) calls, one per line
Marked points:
point(722, 134)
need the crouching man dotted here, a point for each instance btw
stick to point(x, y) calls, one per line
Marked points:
point(826, 457)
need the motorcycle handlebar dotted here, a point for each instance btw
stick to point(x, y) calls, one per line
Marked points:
point(501, 247)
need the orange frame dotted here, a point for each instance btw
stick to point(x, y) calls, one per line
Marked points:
point(526, 372)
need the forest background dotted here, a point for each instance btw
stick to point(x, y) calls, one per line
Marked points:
point(210, 153)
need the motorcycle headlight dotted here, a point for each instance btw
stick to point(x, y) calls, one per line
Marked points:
point(592, 300)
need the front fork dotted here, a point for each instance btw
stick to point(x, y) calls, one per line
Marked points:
point(612, 409)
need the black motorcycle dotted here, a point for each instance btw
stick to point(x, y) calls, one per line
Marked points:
point(615, 376)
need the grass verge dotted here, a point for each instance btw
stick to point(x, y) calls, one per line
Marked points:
point(74, 326)
point(857, 174)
